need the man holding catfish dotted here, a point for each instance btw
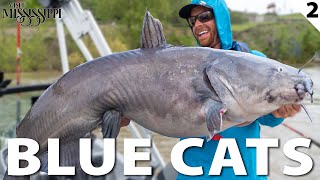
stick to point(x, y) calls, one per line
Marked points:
point(209, 21)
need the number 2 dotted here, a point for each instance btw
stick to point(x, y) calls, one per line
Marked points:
point(312, 13)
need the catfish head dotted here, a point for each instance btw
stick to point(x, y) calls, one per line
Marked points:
point(250, 86)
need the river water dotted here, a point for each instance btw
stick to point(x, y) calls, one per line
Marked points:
point(277, 159)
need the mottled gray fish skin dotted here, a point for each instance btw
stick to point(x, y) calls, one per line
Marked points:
point(157, 88)
point(174, 91)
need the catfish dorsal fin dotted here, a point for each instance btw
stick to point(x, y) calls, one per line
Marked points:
point(152, 33)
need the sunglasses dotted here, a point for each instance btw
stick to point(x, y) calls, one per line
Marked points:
point(202, 17)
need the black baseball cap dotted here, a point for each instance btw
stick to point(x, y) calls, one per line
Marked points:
point(186, 10)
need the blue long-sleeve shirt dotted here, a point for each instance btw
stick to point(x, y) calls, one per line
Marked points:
point(196, 156)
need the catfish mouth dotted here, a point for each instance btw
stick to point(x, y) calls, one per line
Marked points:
point(301, 92)
point(290, 95)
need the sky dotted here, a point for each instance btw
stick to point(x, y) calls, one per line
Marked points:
point(260, 6)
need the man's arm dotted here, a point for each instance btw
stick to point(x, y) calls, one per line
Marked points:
point(287, 111)
point(276, 117)
point(270, 120)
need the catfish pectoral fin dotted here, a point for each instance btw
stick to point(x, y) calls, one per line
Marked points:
point(214, 121)
point(111, 124)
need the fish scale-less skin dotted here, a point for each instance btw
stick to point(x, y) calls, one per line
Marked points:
point(152, 91)
point(149, 89)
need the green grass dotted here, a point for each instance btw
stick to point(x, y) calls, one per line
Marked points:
point(293, 42)
point(296, 16)
point(243, 27)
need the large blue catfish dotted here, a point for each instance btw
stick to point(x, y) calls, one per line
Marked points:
point(174, 91)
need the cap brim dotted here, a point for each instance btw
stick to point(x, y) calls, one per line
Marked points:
point(186, 10)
